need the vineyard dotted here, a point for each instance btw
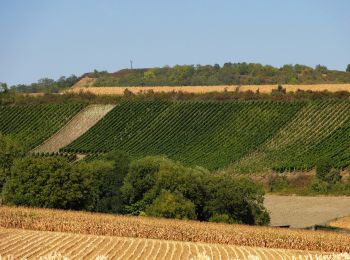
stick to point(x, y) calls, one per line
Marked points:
point(319, 130)
point(210, 134)
point(31, 125)
point(250, 136)
point(246, 136)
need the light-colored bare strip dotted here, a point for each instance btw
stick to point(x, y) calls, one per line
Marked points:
point(82, 247)
point(58, 244)
point(37, 249)
point(122, 252)
point(151, 250)
point(86, 254)
point(103, 249)
point(12, 249)
point(139, 243)
point(76, 127)
point(117, 244)
point(13, 239)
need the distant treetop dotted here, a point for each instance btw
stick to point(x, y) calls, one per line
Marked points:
point(228, 74)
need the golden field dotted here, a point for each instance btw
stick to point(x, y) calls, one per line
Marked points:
point(174, 230)
point(26, 244)
point(86, 85)
point(341, 223)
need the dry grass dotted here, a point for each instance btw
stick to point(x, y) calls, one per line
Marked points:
point(341, 223)
point(190, 231)
point(86, 85)
point(23, 244)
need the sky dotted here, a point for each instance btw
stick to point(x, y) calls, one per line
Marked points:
point(53, 38)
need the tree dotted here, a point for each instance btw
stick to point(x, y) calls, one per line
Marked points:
point(51, 182)
point(110, 175)
point(10, 150)
point(348, 68)
point(164, 188)
point(171, 205)
point(140, 178)
point(239, 199)
point(3, 88)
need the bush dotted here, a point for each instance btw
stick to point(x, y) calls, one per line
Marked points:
point(323, 167)
point(221, 218)
point(320, 186)
point(278, 183)
point(171, 205)
point(325, 172)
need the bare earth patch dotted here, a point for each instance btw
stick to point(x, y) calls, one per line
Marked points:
point(77, 126)
point(300, 211)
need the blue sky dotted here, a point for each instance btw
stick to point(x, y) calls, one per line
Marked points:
point(62, 37)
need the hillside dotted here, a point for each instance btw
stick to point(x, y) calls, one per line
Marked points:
point(251, 136)
point(210, 134)
point(33, 124)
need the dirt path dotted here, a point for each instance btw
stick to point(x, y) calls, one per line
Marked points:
point(300, 211)
point(77, 126)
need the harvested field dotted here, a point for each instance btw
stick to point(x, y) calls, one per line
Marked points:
point(77, 126)
point(86, 85)
point(177, 230)
point(24, 244)
point(302, 211)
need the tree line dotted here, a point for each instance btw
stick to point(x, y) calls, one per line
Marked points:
point(150, 186)
point(228, 74)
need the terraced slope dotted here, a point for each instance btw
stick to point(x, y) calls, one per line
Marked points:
point(33, 124)
point(210, 134)
point(77, 126)
point(319, 130)
point(25, 244)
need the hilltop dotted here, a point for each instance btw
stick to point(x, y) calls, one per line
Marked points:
point(216, 75)
point(230, 74)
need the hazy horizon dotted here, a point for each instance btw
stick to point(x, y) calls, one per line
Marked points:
point(53, 39)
